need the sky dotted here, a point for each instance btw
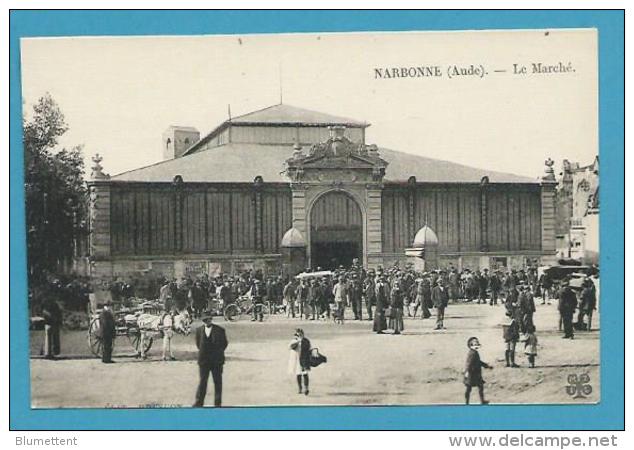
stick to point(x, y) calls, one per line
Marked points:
point(119, 94)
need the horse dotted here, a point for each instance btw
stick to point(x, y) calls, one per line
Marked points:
point(166, 324)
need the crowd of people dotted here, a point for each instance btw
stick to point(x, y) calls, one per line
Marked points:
point(384, 296)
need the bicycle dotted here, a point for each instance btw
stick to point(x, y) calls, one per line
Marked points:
point(245, 305)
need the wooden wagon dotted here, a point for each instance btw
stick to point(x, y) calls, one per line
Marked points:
point(126, 327)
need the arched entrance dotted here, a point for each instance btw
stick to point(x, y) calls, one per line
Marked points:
point(336, 231)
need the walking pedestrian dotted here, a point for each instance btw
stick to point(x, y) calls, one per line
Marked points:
point(314, 298)
point(483, 285)
point(301, 293)
point(588, 304)
point(380, 323)
point(441, 300)
point(107, 327)
point(511, 334)
point(211, 342)
point(527, 307)
point(495, 284)
point(423, 297)
point(340, 291)
point(289, 298)
point(299, 361)
point(473, 371)
point(52, 314)
point(369, 294)
point(257, 293)
point(567, 307)
point(396, 308)
point(355, 292)
point(530, 345)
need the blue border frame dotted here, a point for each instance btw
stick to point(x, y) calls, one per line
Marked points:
point(609, 414)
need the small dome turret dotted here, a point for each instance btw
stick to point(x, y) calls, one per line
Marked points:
point(293, 238)
point(426, 237)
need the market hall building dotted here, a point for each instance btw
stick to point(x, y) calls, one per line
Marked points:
point(285, 188)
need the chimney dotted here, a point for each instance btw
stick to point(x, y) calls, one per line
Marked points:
point(177, 139)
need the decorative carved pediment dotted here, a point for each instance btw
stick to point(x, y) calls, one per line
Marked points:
point(336, 159)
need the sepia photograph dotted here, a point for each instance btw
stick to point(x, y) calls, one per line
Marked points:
point(312, 219)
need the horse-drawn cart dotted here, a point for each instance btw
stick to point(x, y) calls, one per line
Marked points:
point(126, 324)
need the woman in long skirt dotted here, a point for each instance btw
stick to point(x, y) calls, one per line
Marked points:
point(423, 297)
point(299, 360)
point(380, 324)
point(396, 305)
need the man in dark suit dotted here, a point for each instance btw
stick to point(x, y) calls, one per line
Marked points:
point(355, 297)
point(369, 293)
point(483, 285)
point(52, 323)
point(211, 341)
point(258, 291)
point(107, 327)
point(496, 285)
point(567, 307)
point(440, 298)
point(527, 307)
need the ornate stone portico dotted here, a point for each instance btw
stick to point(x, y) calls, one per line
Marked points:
point(338, 166)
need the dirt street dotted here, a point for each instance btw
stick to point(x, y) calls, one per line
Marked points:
point(421, 366)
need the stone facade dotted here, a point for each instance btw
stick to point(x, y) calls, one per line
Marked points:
point(339, 165)
point(334, 190)
point(578, 212)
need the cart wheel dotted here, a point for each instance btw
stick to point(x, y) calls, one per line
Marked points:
point(232, 313)
point(135, 341)
point(94, 338)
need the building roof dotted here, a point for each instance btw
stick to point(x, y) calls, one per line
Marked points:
point(279, 115)
point(233, 163)
point(182, 128)
point(291, 115)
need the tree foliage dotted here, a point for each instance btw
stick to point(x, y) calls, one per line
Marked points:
point(55, 190)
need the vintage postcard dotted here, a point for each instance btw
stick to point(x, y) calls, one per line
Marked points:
point(377, 218)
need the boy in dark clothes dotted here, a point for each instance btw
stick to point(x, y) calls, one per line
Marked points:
point(473, 371)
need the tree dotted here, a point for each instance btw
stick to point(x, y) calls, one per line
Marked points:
point(55, 191)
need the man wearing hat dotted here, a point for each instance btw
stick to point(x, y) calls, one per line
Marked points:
point(257, 293)
point(165, 295)
point(340, 292)
point(496, 285)
point(211, 341)
point(473, 371)
point(355, 296)
point(107, 327)
point(440, 298)
point(588, 303)
point(301, 294)
point(527, 307)
point(312, 298)
point(52, 314)
point(369, 294)
point(483, 285)
point(567, 307)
